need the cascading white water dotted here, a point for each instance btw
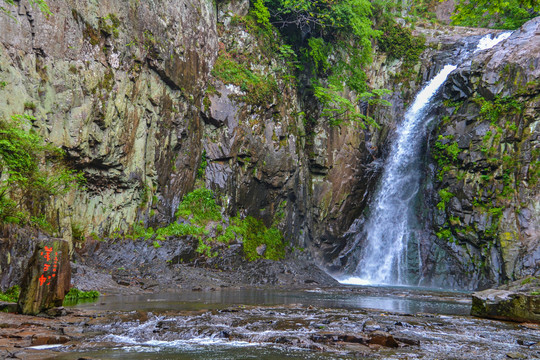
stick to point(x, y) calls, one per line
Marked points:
point(390, 224)
point(388, 227)
point(487, 42)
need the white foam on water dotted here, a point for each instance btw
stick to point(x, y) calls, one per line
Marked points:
point(353, 280)
point(45, 347)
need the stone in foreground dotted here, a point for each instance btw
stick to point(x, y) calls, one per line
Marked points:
point(506, 305)
point(47, 278)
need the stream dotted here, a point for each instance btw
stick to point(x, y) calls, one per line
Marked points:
point(347, 322)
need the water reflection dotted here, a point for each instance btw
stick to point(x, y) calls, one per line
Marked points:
point(403, 302)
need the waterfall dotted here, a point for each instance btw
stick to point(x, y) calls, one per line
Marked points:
point(390, 224)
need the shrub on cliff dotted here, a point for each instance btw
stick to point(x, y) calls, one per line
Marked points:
point(333, 42)
point(32, 172)
point(204, 221)
point(199, 206)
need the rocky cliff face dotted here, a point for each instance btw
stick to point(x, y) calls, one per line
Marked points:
point(116, 86)
point(140, 96)
point(485, 154)
point(126, 89)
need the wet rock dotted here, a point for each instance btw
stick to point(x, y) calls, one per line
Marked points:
point(370, 326)
point(382, 338)
point(8, 307)
point(57, 311)
point(506, 305)
point(49, 339)
point(47, 278)
point(526, 342)
point(408, 341)
point(516, 355)
point(261, 249)
point(494, 170)
point(16, 247)
point(326, 337)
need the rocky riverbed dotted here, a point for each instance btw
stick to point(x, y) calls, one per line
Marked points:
point(304, 324)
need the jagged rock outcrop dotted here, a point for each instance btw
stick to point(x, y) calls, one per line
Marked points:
point(127, 92)
point(486, 155)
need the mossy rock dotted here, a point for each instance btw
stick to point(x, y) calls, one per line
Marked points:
point(506, 305)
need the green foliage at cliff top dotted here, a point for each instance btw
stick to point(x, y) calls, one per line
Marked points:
point(333, 42)
point(498, 14)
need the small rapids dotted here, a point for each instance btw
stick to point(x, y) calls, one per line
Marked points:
point(302, 330)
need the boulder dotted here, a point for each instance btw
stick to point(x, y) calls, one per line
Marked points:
point(506, 305)
point(382, 338)
point(47, 277)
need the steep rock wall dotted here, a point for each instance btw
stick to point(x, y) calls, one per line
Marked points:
point(486, 168)
point(114, 85)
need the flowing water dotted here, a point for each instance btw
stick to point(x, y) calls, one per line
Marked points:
point(334, 323)
point(388, 235)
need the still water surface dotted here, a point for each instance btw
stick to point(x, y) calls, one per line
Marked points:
point(401, 300)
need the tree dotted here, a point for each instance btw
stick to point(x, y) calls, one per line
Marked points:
point(333, 40)
point(505, 14)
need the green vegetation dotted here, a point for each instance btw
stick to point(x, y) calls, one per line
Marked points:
point(200, 207)
point(327, 42)
point(35, 173)
point(445, 152)
point(256, 234)
point(29, 106)
point(258, 88)
point(491, 169)
point(11, 294)
point(202, 167)
point(444, 234)
point(75, 296)
point(200, 212)
point(399, 43)
point(109, 25)
point(179, 229)
point(498, 14)
point(494, 109)
point(445, 196)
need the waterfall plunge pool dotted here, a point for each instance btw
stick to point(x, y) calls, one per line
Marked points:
point(394, 299)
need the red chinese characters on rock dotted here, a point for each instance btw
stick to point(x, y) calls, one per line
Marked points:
point(48, 273)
